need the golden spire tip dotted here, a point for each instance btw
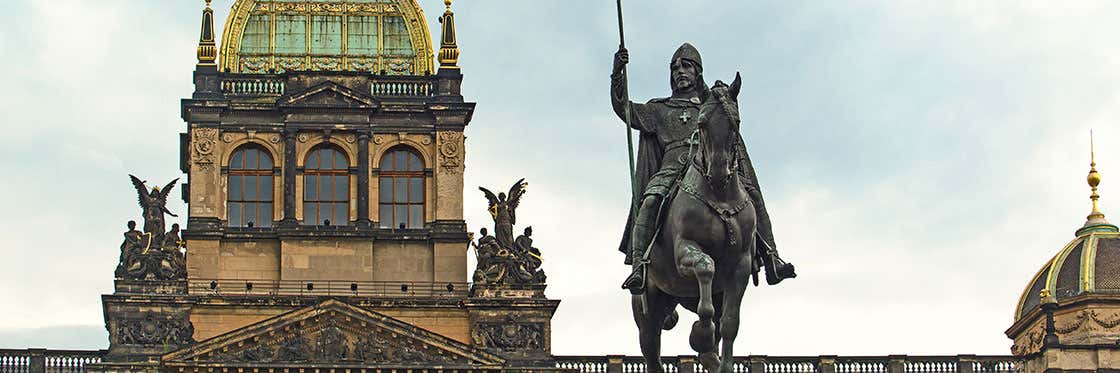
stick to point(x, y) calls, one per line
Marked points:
point(1095, 220)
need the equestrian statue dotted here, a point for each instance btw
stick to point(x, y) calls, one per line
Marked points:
point(698, 232)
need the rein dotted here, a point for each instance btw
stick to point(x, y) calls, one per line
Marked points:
point(725, 214)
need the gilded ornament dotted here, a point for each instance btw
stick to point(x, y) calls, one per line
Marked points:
point(302, 137)
point(426, 140)
point(274, 138)
point(350, 138)
point(378, 140)
point(228, 137)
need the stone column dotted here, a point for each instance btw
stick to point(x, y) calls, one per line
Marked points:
point(363, 179)
point(289, 178)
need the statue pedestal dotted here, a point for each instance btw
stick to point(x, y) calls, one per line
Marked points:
point(514, 321)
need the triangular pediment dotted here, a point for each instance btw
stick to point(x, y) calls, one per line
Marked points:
point(329, 95)
point(332, 333)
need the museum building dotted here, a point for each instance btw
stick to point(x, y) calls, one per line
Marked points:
point(324, 157)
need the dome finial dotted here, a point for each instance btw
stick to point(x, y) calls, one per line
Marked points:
point(1095, 221)
point(207, 49)
point(449, 49)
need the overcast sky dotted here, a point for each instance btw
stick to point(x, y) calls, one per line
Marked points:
point(920, 160)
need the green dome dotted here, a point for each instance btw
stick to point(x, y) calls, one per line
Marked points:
point(264, 36)
point(1089, 264)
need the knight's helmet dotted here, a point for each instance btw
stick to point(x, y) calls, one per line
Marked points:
point(689, 53)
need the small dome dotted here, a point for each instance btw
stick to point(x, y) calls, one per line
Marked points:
point(1088, 264)
point(390, 36)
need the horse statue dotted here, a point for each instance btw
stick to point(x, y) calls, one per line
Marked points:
point(704, 254)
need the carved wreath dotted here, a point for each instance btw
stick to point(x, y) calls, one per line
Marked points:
point(204, 141)
point(450, 150)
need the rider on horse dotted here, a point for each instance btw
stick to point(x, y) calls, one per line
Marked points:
point(667, 126)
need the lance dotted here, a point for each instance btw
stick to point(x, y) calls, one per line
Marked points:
point(634, 193)
point(642, 302)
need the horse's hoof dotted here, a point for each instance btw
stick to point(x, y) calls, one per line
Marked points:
point(703, 336)
point(670, 321)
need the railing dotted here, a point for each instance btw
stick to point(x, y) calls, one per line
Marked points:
point(75, 361)
point(375, 289)
point(35, 360)
point(402, 85)
point(264, 85)
point(238, 85)
point(796, 364)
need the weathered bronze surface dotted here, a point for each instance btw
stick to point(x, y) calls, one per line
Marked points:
point(502, 259)
point(700, 228)
point(152, 254)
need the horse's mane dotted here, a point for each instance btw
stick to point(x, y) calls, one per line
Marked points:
point(720, 93)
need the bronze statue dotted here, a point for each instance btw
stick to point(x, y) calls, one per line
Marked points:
point(503, 260)
point(667, 127)
point(152, 254)
point(502, 209)
point(154, 204)
point(700, 225)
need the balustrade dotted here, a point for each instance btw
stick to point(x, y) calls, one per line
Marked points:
point(257, 85)
point(810, 364)
point(47, 361)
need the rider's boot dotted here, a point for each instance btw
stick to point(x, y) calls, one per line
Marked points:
point(639, 241)
point(776, 268)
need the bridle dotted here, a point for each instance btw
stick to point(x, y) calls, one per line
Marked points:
point(702, 163)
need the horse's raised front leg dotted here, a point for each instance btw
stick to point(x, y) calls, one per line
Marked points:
point(729, 321)
point(694, 263)
point(658, 305)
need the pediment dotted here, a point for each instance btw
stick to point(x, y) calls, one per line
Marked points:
point(332, 333)
point(329, 95)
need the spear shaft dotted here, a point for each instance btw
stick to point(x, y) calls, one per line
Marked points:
point(626, 92)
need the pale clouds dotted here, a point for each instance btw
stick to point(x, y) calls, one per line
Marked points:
point(920, 159)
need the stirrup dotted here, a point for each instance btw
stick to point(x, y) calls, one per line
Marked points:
point(776, 275)
point(636, 282)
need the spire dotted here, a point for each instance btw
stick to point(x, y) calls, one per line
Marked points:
point(1095, 222)
point(207, 50)
point(449, 50)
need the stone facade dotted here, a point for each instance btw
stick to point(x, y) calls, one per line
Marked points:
point(285, 289)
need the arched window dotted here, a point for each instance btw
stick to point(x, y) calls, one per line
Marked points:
point(249, 198)
point(326, 187)
point(401, 197)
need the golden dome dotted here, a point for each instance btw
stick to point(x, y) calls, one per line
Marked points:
point(390, 36)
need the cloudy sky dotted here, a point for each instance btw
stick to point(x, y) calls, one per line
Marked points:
point(920, 160)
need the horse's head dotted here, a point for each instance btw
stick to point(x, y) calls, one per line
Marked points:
point(718, 123)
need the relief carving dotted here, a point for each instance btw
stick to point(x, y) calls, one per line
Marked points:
point(1088, 321)
point(155, 330)
point(1030, 342)
point(295, 348)
point(328, 343)
point(509, 336)
point(203, 147)
point(451, 151)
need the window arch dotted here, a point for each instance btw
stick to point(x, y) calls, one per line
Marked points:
point(249, 196)
point(401, 189)
point(326, 187)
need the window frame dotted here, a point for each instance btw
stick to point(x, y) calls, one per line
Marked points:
point(320, 174)
point(408, 175)
point(242, 173)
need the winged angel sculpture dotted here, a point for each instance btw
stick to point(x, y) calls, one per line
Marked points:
point(154, 254)
point(501, 258)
